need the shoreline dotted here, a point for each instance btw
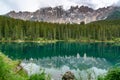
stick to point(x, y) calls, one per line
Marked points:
point(54, 41)
point(41, 41)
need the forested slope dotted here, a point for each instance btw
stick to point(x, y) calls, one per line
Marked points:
point(14, 29)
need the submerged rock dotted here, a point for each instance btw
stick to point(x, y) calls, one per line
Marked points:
point(68, 76)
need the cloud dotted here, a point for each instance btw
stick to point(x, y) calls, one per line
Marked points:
point(96, 3)
point(4, 8)
point(32, 5)
point(118, 3)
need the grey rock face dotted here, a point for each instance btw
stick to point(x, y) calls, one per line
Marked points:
point(59, 15)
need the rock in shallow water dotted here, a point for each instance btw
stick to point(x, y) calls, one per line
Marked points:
point(68, 76)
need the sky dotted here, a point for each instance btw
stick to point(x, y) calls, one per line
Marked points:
point(33, 5)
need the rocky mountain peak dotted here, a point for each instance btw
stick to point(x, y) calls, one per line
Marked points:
point(82, 9)
point(57, 14)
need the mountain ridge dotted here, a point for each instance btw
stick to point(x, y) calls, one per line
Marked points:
point(57, 14)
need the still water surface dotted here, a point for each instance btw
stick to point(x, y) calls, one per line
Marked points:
point(63, 56)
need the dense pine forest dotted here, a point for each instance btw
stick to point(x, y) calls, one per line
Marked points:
point(15, 29)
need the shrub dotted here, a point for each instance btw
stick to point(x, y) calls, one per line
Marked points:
point(6, 69)
point(41, 76)
point(113, 74)
point(101, 77)
point(8, 72)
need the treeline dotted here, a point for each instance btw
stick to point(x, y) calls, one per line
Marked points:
point(14, 29)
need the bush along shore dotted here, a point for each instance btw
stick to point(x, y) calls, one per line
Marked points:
point(11, 70)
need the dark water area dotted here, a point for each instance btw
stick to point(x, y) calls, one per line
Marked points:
point(109, 51)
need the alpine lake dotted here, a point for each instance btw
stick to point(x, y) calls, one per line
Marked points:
point(81, 58)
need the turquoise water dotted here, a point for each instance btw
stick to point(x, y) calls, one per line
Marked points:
point(57, 58)
point(108, 51)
